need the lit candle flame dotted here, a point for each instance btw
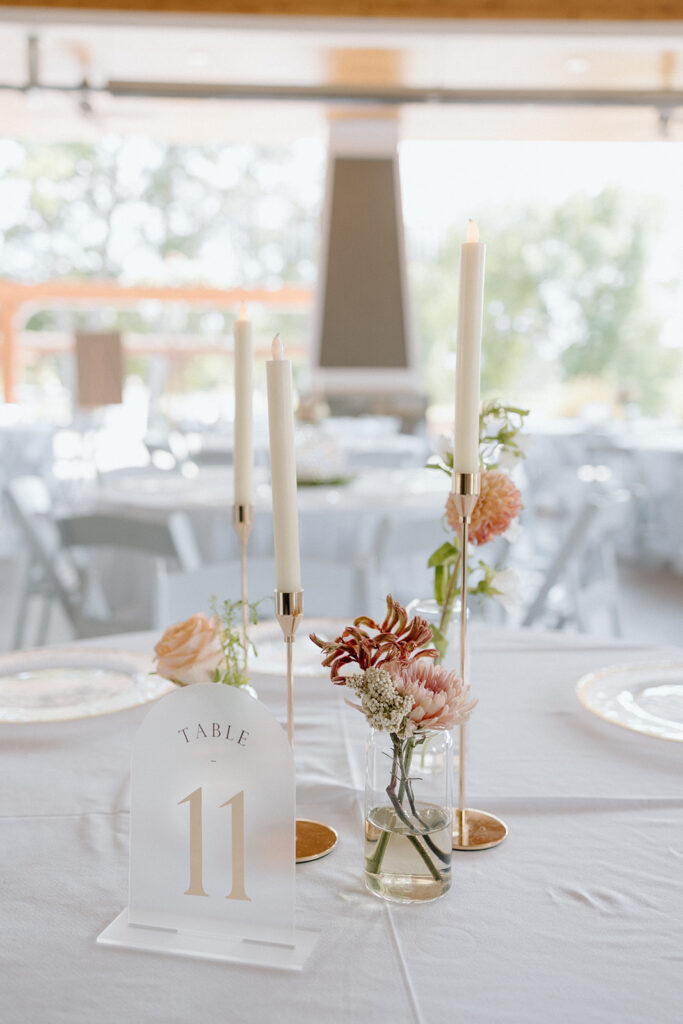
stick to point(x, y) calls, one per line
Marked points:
point(472, 232)
point(278, 348)
point(242, 316)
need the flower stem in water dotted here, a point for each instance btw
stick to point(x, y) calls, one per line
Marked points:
point(400, 768)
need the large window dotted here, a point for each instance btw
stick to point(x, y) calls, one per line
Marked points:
point(584, 290)
point(584, 302)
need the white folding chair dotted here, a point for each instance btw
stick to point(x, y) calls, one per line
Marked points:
point(166, 542)
point(581, 577)
point(330, 589)
point(405, 541)
point(49, 575)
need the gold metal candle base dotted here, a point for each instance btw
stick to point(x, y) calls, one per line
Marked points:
point(472, 829)
point(289, 607)
point(313, 840)
point(480, 830)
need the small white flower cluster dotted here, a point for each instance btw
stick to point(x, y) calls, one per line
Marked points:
point(506, 587)
point(383, 706)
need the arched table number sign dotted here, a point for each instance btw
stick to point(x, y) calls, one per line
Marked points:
point(212, 833)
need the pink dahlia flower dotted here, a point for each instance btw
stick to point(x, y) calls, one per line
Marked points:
point(498, 504)
point(440, 701)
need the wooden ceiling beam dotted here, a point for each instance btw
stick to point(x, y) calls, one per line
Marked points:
point(535, 10)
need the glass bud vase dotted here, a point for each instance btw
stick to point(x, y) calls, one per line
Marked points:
point(408, 816)
point(448, 646)
point(448, 632)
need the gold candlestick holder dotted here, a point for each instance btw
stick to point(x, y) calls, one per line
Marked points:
point(313, 839)
point(243, 521)
point(472, 829)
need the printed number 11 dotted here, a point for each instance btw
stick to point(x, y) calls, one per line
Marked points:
point(196, 887)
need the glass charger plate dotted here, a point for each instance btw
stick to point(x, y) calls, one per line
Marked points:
point(644, 698)
point(270, 645)
point(61, 684)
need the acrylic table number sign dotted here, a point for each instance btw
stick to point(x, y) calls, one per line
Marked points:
point(212, 833)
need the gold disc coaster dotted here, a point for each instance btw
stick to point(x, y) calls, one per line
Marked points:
point(313, 840)
point(481, 830)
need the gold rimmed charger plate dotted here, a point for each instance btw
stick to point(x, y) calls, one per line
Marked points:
point(64, 684)
point(646, 697)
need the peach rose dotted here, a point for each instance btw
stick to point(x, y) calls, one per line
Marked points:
point(190, 652)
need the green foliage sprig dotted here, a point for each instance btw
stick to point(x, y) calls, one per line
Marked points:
point(235, 646)
point(499, 429)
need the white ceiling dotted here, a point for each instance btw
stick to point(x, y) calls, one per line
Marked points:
point(450, 56)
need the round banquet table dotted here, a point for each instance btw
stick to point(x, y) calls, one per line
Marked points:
point(577, 916)
point(335, 519)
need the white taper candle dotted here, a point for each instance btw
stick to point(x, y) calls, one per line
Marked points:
point(244, 365)
point(283, 470)
point(468, 354)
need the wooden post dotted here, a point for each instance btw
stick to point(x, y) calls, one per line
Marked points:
point(7, 312)
point(14, 294)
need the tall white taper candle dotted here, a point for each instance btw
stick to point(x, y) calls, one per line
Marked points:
point(283, 470)
point(244, 364)
point(468, 355)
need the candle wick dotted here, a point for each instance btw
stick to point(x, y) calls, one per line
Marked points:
point(242, 315)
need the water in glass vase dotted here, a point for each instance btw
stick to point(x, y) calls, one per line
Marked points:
point(403, 864)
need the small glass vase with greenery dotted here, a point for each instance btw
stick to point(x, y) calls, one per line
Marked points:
point(208, 649)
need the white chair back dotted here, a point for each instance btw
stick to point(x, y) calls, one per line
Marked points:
point(406, 539)
point(169, 538)
point(330, 589)
point(117, 593)
point(49, 574)
point(29, 496)
point(584, 566)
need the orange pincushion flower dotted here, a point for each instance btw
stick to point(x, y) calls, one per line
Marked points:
point(499, 503)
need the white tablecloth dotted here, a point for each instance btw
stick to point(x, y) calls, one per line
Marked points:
point(333, 521)
point(578, 916)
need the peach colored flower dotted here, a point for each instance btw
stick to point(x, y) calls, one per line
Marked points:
point(440, 701)
point(190, 652)
point(499, 503)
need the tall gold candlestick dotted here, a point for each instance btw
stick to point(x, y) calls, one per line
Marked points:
point(472, 829)
point(313, 839)
point(289, 607)
point(243, 520)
